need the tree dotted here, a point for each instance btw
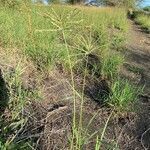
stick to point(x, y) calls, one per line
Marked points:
point(126, 3)
point(75, 1)
point(147, 8)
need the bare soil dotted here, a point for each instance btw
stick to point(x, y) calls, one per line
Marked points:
point(137, 67)
point(137, 70)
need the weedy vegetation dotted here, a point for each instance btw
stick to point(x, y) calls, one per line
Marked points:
point(83, 41)
point(143, 19)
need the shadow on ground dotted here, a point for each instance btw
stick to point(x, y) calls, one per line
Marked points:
point(143, 122)
point(137, 68)
point(4, 94)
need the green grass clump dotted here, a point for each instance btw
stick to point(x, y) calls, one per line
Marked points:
point(111, 63)
point(123, 95)
point(144, 21)
point(147, 8)
point(10, 3)
point(15, 96)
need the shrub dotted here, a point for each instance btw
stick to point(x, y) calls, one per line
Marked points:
point(147, 8)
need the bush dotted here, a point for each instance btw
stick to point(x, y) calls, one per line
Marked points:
point(147, 8)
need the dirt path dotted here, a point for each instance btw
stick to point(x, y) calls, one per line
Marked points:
point(137, 70)
point(137, 67)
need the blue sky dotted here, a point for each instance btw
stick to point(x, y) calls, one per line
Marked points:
point(145, 3)
point(44, 1)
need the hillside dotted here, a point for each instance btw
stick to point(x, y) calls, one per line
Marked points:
point(73, 78)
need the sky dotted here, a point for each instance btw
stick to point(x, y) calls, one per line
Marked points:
point(44, 1)
point(145, 3)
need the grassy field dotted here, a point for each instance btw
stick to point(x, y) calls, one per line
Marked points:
point(36, 30)
point(84, 42)
point(144, 21)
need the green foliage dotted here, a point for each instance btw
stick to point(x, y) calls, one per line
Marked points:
point(64, 35)
point(118, 40)
point(12, 146)
point(18, 98)
point(144, 21)
point(123, 95)
point(147, 8)
point(124, 3)
point(2, 146)
point(11, 3)
point(38, 32)
point(111, 64)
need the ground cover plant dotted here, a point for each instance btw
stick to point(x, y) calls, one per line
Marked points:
point(59, 63)
point(144, 21)
point(141, 17)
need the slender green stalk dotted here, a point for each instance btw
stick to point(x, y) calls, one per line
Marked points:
point(99, 143)
point(73, 85)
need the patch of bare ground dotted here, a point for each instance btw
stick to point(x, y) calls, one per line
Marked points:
point(137, 70)
point(138, 57)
